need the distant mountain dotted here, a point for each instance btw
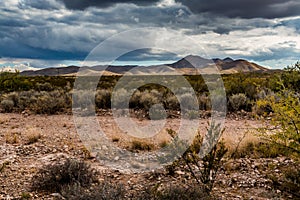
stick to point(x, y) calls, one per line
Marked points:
point(226, 66)
point(183, 66)
point(52, 71)
point(186, 62)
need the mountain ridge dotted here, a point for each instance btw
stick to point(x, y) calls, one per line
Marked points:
point(182, 66)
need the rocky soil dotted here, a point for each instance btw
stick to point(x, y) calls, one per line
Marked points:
point(28, 142)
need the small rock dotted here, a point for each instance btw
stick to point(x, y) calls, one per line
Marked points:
point(57, 196)
point(179, 172)
point(116, 158)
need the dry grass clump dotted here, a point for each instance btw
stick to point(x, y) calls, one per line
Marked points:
point(33, 138)
point(32, 135)
point(11, 138)
point(254, 147)
point(137, 145)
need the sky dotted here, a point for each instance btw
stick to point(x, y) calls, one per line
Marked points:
point(36, 34)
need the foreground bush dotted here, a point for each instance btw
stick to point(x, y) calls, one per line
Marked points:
point(55, 177)
point(202, 169)
point(237, 101)
point(104, 191)
point(174, 192)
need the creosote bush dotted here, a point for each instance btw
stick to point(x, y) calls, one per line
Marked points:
point(54, 177)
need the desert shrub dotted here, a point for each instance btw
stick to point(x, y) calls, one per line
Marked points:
point(191, 114)
point(207, 168)
point(204, 102)
point(286, 116)
point(260, 150)
point(188, 100)
point(203, 170)
point(83, 99)
point(38, 102)
point(54, 177)
point(13, 96)
point(137, 145)
point(11, 138)
point(49, 102)
point(149, 98)
point(171, 102)
point(174, 192)
point(135, 99)
point(26, 99)
point(106, 190)
point(44, 86)
point(262, 108)
point(290, 79)
point(102, 99)
point(7, 105)
point(157, 112)
point(119, 98)
point(237, 101)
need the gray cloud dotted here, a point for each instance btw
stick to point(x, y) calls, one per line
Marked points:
point(40, 4)
point(83, 4)
point(245, 8)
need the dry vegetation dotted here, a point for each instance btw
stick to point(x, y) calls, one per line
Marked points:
point(42, 157)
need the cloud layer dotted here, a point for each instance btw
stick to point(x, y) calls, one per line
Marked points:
point(59, 31)
point(245, 8)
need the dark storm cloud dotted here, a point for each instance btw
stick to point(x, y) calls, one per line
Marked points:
point(40, 4)
point(13, 49)
point(83, 4)
point(148, 54)
point(245, 8)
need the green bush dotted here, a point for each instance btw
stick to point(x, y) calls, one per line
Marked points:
point(286, 116)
